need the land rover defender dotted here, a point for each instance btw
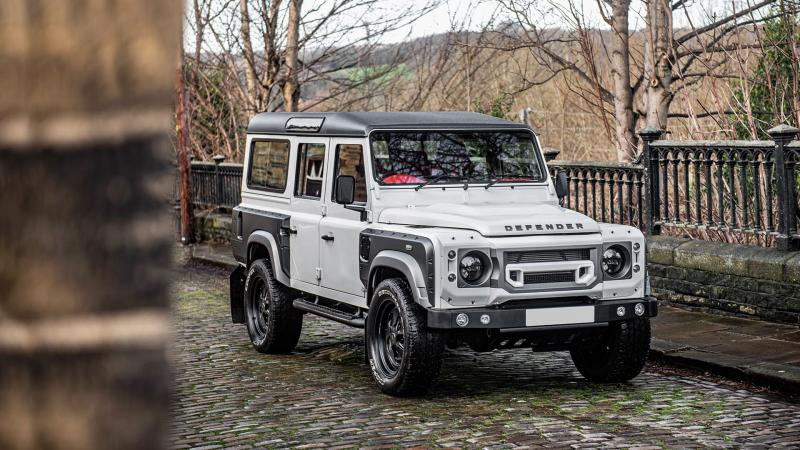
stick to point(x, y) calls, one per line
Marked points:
point(429, 230)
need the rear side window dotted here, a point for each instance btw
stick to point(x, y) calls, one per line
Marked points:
point(350, 161)
point(269, 165)
point(310, 170)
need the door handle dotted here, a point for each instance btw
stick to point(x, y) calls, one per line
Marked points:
point(327, 237)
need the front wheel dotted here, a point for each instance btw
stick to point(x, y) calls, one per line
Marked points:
point(617, 354)
point(404, 355)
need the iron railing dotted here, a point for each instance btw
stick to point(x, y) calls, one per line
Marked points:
point(741, 187)
point(737, 188)
point(216, 184)
point(607, 192)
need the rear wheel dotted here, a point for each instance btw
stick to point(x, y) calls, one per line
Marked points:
point(404, 355)
point(272, 322)
point(618, 354)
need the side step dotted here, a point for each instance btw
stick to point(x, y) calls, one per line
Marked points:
point(328, 313)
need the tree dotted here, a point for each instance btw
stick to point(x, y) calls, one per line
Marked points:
point(642, 86)
point(271, 55)
point(770, 95)
point(624, 122)
point(85, 246)
point(291, 90)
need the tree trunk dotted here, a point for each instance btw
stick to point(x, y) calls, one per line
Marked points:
point(184, 164)
point(253, 105)
point(621, 75)
point(85, 245)
point(272, 60)
point(657, 63)
point(199, 32)
point(291, 90)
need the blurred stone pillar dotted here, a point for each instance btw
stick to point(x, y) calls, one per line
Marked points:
point(85, 116)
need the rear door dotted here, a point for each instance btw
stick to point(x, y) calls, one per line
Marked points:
point(341, 227)
point(307, 208)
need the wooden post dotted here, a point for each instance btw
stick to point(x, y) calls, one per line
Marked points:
point(184, 164)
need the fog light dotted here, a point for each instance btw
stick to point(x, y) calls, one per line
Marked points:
point(485, 319)
point(462, 320)
point(621, 311)
point(451, 277)
point(639, 309)
point(636, 246)
point(636, 268)
point(451, 254)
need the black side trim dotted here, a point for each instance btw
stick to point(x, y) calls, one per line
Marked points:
point(237, 279)
point(256, 220)
point(372, 242)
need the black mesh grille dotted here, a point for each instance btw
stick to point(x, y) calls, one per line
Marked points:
point(550, 277)
point(535, 256)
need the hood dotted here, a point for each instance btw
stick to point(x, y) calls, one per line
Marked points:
point(494, 220)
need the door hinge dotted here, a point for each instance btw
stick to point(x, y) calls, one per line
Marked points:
point(324, 209)
point(319, 273)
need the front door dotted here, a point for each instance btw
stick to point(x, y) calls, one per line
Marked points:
point(341, 227)
point(307, 209)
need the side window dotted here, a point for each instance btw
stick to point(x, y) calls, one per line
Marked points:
point(350, 161)
point(310, 169)
point(269, 165)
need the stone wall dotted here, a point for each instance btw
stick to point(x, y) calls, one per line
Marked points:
point(212, 226)
point(737, 279)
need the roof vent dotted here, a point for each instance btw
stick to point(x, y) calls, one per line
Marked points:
point(307, 124)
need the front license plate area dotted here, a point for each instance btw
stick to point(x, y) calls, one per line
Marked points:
point(559, 316)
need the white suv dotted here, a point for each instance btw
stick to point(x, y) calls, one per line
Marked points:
point(429, 230)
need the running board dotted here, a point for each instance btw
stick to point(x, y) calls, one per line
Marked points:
point(328, 313)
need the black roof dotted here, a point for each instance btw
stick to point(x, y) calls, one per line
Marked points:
point(359, 124)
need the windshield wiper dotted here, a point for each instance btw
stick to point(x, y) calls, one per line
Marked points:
point(431, 180)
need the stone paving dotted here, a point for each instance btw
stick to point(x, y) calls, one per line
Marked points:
point(229, 396)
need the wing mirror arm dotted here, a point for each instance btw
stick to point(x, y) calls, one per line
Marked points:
point(345, 194)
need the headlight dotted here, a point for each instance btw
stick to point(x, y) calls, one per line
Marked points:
point(615, 261)
point(472, 267)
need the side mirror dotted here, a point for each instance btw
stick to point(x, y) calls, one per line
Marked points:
point(550, 153)
point(345, 189)
point(562, 186)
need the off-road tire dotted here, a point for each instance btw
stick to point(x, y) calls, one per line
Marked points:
point(618, 354)
point(279, 331)
point(421, 358)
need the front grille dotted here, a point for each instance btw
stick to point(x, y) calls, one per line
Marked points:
point(550, 277)
point(536, 256)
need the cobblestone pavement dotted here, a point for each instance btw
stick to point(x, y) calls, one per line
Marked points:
point(227, 395)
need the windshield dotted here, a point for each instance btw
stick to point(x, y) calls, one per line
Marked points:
point(415, 157)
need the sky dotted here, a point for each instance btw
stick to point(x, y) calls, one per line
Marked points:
point(696, 12)
point(474, 14)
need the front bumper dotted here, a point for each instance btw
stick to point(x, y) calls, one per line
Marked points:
point(599, 312)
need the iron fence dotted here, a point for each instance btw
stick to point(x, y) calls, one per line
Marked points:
point(607, 192)
point(216, 184)
point(736, 188)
